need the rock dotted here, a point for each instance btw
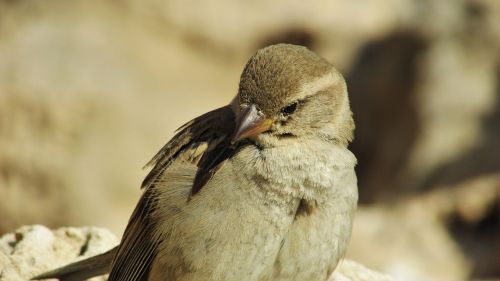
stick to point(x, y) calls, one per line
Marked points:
point(408, 240)
point(32, 250)
point(349, 270)
point(417, 123)
point(471, 212)
point(35, 249)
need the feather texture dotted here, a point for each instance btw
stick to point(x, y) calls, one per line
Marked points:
point(211, 131)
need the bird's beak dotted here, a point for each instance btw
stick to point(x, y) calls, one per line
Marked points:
point(250, 122)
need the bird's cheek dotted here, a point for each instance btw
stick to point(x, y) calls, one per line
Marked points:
point(277, 126)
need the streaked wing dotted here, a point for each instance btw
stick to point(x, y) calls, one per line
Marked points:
point(213, 128)
point(137, 248)
point(211, 132)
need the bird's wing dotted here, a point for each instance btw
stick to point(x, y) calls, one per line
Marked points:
point(138, 247)
point(213, 129)
point(82, 270)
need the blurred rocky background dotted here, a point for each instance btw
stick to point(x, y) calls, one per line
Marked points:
point(89, 90)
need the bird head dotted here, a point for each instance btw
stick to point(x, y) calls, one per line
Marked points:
point(288, 92)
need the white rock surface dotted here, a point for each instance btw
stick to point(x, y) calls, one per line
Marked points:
point(349, 270)
point(35, 249)
point(32, 250)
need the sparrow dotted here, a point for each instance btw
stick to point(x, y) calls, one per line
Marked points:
point(263, 189)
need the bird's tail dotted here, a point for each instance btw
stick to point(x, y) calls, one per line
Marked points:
point(82, 270)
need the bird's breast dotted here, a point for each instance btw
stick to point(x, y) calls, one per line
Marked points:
point(305, 170)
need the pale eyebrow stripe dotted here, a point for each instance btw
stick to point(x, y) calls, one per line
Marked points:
point(316, 85)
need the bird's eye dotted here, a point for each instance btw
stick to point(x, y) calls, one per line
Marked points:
point(289, 109)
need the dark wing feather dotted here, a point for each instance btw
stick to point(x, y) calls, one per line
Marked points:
point(214, 128)
point(209, 162)
point(138, 247)
point(83, 269)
